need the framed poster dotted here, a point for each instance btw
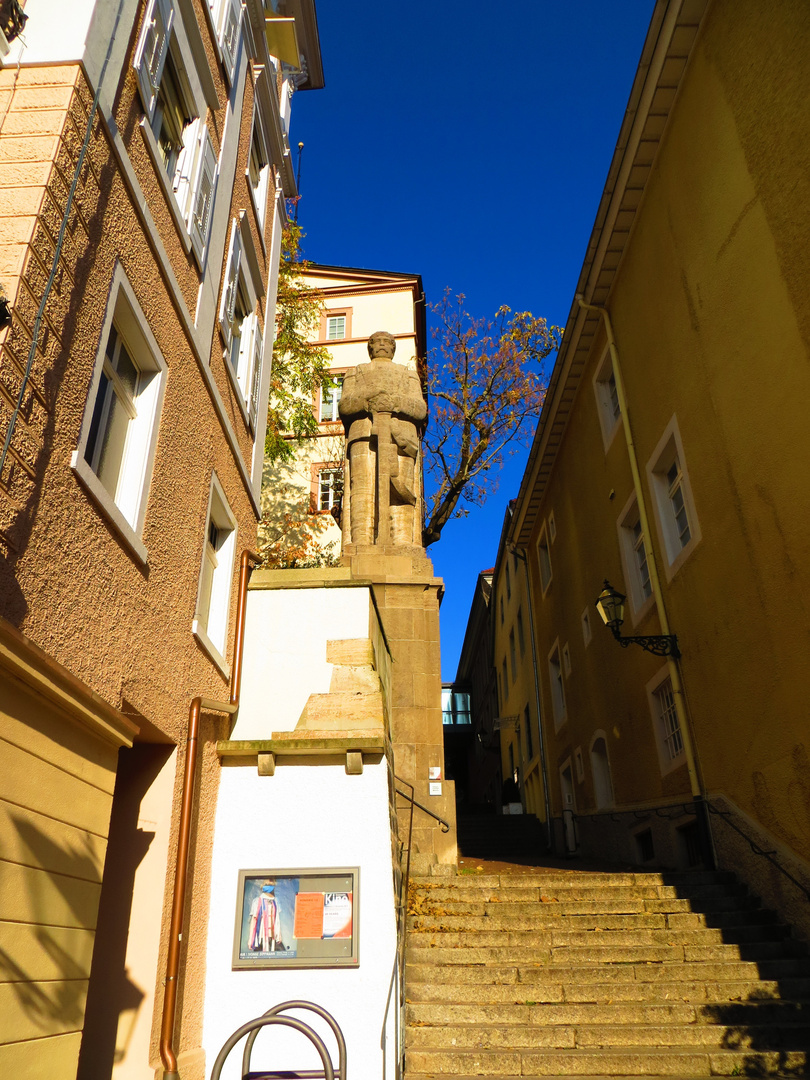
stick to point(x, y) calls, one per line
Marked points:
point(297, 918)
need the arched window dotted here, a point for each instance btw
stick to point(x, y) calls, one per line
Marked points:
point(600, 767)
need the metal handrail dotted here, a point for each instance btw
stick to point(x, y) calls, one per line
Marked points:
point(273, 1017)
point(757, 850)
point(398, 968)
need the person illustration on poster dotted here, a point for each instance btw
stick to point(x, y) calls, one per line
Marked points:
point(264, 932)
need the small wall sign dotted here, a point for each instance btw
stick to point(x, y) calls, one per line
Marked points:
point(297, 918)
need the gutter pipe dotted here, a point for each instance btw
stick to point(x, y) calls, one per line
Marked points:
point(198, 704)
point(696, 787)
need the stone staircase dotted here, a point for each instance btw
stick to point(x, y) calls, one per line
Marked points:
point(568, 973)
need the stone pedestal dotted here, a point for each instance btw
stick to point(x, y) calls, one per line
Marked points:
point(407, 597)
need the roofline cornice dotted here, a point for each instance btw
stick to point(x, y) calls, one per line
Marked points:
point(668, 47)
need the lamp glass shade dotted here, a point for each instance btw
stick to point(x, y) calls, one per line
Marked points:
point(610, 605)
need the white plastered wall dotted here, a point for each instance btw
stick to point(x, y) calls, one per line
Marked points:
point(305, 816)
point(286, 631)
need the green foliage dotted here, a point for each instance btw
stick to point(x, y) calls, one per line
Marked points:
point(300, 367)
point(487, 385)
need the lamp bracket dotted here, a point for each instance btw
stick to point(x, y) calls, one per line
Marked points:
point(658, 644)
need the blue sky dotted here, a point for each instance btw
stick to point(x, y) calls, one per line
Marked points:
point(467, 142)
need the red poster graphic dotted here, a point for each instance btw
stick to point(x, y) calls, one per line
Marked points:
point(308, 915)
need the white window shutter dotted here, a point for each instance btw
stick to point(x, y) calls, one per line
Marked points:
point(229, 36)
point(231, 286)
point(153, 46)
point(202, 199)
point(253, 404)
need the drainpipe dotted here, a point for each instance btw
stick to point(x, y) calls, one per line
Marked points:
point(696, 787)
point(230, 708)
point(546, 796)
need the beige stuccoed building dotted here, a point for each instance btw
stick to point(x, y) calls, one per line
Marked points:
point(301, 498)
point(144, 162)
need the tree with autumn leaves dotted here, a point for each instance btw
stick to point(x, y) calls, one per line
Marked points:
point(486, 383)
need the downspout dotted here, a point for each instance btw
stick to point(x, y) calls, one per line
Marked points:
point(696, 787)
point(167, 1054)
point(546, 796)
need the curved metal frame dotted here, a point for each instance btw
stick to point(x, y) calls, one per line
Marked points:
point(339, 1074)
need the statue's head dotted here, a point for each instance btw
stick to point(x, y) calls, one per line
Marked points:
point(381, 345)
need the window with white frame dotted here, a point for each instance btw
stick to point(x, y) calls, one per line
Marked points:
point(544, 559)
point(330, 399)
point(258, 168)
point(555, 671)
point(119, 434)
point(635, 555)
point(669, 737)
point(227, 18)
point(214, 593)
point(330, 488)
point(175, 117)
point(585, 619)
point(240, 328)
point(674, 506)
point(607, 399)
point(335, 327)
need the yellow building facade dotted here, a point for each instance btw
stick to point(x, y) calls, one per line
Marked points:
point(670, 460)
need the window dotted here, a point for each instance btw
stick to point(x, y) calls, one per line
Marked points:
point(258, 170)
point(521, 639)
point(552, 527)
point(119, 434)
point(455, 706)
point(557, 690)
point(504, 680)
point(501, 603)
point(330, 488)
point(508, 583)
point(645, 849)
point(513, 654)
point(635, 559)
point(227, 17)
point(210, 624)
point(566, 654)
point(544, 560)
point(240, 328)
point(527, 723)
point(586, 627)
point(330, 399)
point(607, 399)
point(669, 738)
point(174, 125)
point(674, 506)
point(335, 327)
point(600, 768)
point(579, 765)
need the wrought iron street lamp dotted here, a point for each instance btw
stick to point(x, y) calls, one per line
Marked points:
point(610, 605)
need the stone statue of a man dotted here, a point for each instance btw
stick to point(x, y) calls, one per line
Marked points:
point(383, 411)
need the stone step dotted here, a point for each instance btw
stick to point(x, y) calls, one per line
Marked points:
point(449, 937)
point(671, 1062)
point(494, 916)
point(723, 992)
point(583, 974)
point(787, 1014)
point(595, 954)
point(516, 906)
point(577, 879)
point(548, 893)
point(503, 1036)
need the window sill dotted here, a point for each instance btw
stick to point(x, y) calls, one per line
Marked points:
point(210, 650)
point(105, 503)
point(168, 190)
